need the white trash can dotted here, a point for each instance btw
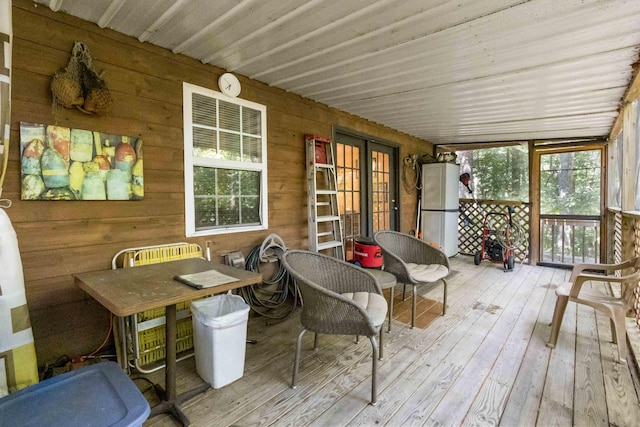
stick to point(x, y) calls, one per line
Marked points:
point(219, 338)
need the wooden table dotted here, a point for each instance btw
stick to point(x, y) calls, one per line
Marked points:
point(127, 291)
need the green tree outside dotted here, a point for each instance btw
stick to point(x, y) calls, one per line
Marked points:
point(497, 173)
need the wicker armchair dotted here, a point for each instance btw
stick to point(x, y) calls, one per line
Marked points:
point(339, 299)
point(413, 262)
point(613, 307)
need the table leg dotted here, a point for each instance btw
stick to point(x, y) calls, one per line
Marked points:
point(171, 400)
point(393, 289)
point(120, 340)
point(170, 348)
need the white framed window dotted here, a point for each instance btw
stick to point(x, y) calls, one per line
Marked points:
point(225, 163)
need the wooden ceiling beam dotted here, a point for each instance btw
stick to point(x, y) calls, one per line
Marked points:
point(552, 142)
point(632, 93)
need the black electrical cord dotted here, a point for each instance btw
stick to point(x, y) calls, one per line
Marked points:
point(47, 371)
point(271, 297)
point(151, 385)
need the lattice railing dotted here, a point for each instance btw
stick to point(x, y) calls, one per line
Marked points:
point(636, 291)
point(471, 223)
point(618, 240)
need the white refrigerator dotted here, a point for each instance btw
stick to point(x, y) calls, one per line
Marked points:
point(439, 206)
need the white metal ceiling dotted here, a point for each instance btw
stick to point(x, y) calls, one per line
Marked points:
point(444, 71)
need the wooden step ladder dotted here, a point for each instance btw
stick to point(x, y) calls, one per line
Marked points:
point(325, 227)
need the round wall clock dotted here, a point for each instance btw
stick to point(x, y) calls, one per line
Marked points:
point(229, 85)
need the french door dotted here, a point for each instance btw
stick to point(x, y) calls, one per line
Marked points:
point(367, 187)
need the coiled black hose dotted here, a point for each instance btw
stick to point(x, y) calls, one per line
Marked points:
point(271, 297)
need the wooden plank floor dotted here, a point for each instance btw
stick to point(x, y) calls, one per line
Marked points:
point(484, 363)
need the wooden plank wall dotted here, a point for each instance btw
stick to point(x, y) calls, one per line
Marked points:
point(59, 239)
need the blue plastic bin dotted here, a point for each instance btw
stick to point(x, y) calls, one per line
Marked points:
point(96, 395)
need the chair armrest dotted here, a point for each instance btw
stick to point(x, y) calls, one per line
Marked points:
point(420, 252)
point(396, 266)
point(580, 280)
point(604, 267)
point(583, 278)
point(433, 255)
point(579, 268)
point(330, 312)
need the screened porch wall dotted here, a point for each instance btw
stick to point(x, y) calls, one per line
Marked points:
point(623, 201)
point(471, 224)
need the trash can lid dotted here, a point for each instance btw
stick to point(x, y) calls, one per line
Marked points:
point(220, 310)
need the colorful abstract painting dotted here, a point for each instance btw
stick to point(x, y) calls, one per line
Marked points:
point(59, 163)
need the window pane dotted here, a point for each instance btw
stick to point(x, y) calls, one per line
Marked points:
point(341, 178)
point(251, 121)
point(228, 211)
point(251, 210)
point(205, 213)
point(204, 181)
point(204, 110)
point(348, 178)
point(230, 146)
point(250, 183)
point(204, 143)
point(496, 173)
point(252, 149)
point(228, 183)
point(340, 154)
point(204, 187)
point(229, 116)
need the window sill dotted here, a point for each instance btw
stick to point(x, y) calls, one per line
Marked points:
point(229, 230)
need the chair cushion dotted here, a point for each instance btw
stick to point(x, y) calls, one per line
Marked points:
point(427, 273)
point(375, 305)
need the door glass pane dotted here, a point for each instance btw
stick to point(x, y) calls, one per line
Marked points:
point(349, 194)
point(381, 179)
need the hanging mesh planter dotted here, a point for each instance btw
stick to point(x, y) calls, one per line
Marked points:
point(97, 98)
point(80, 86)
point(66, 85)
